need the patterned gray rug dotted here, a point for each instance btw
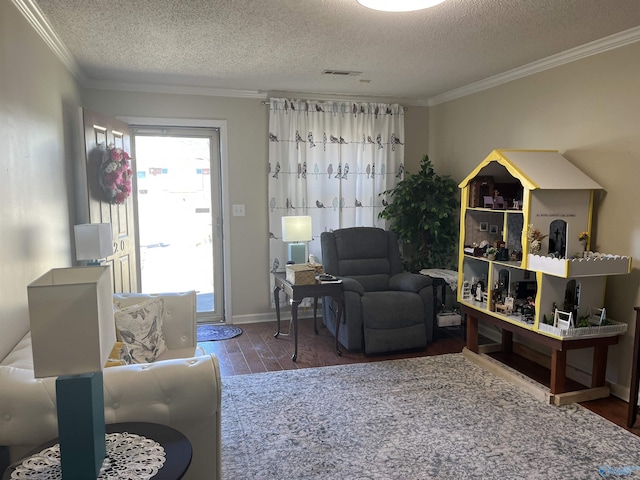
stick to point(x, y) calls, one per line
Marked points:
point(437, 417)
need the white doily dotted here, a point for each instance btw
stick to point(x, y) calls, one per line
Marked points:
point(449, 276)
point(129, 457)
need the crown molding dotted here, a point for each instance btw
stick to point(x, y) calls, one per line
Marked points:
point(592, 48)
point(173, 89)
point(40, 24)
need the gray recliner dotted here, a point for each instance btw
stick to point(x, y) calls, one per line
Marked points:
point(385, 308)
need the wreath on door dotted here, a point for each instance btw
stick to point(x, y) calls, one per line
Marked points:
point(114, 175)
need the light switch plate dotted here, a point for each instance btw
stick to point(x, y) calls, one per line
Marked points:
point(238, 210)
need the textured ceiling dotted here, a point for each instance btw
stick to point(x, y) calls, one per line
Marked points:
point(284, 45)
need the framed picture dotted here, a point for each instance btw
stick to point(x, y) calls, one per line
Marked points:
point(493, 229)
point(484, 226)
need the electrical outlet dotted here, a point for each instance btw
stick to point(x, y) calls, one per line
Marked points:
point(238, 210)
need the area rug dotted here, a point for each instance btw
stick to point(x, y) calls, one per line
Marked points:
point(439, 417)
point(209, 333)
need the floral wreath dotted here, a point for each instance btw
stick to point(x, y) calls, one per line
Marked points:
point(114, 175)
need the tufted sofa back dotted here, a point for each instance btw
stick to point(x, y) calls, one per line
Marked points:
point(13, 326)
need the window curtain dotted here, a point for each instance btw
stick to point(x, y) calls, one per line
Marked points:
point(330, 160)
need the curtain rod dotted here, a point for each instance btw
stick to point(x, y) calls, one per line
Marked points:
point(267, 102)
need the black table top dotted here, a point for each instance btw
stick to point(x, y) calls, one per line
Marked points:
point(177, 447)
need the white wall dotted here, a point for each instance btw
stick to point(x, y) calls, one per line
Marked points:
point(38, 126)
point(588, 110)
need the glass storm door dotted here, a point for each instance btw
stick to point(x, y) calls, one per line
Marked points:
point(179, 214)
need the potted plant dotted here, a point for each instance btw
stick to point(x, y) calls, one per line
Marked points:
point(491, 253)
point(423, 212)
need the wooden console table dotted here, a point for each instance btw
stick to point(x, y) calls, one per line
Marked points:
point(559, 348)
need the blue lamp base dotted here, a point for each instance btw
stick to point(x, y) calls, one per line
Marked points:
point(81, 428)
point(297, 253)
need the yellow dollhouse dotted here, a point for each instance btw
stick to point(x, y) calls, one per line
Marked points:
point(525, 225)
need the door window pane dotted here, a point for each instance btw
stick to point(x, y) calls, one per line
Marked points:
point(175, 215)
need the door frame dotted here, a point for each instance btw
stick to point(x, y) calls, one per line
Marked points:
point(221, 125)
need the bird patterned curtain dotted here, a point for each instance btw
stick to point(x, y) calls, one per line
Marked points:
point(330, 160)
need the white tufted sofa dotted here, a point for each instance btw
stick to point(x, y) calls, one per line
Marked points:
point(181, 389)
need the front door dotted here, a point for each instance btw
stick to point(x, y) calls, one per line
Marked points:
point(100, 133)
point(179, 215)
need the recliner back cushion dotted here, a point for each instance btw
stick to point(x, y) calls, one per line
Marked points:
point(373, 283)
point(365, 266)
point(363, 254)
point(361, 242)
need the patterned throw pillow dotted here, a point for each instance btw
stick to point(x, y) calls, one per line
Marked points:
point(119, 355)
point(140, 327)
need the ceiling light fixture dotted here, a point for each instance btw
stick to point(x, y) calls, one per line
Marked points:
point(399, 5)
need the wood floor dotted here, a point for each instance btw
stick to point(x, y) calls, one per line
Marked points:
point(256, 350)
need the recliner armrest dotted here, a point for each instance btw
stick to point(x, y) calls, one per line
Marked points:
point(352, 285)
point(409, 282)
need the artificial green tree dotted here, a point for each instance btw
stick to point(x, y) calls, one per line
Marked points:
point(423, 211)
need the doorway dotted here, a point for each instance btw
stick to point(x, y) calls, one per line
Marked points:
point(558, 238)
point(178, 213)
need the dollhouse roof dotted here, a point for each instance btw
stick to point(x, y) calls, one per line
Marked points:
point(536, 169)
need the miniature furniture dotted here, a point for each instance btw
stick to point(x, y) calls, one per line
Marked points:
point(385, 308)
point(297, 293)
point(493, 202)
point(543, 269)
point(176, 446)
point(181, 389)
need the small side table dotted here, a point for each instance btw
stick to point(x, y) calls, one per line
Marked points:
point(177, 447)
point(443, 280)
point(299, 292)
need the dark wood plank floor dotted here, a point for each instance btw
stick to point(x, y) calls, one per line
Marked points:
point(256, 350)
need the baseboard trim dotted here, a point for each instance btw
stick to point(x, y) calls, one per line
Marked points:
point(285, 316)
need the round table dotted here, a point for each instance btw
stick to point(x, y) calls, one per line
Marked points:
point(176, 446)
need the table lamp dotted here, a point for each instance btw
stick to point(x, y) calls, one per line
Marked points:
point(296, 231)
point(93, 242)
point(72, 334)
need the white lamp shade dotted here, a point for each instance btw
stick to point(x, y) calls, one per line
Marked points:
point(93, 241)
point(72, 322)
point(296, 229)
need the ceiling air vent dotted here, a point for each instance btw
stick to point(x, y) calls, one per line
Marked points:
point(344, 73)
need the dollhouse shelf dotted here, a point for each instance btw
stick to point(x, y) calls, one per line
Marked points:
point(616, 328)
point(545, 205)
point(604, 264)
